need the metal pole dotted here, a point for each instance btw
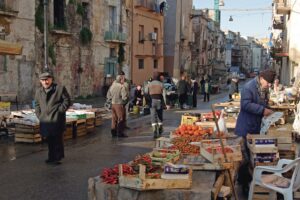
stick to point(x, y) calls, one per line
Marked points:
point(46, 34)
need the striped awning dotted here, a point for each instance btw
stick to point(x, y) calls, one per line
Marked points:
point(9, 48)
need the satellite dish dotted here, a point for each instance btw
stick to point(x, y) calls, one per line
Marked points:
point(221, 3)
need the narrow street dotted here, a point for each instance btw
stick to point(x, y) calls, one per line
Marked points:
point(25, 176)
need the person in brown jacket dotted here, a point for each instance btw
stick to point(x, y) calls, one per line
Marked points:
point(118, 95)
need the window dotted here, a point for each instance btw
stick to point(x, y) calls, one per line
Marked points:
point(141, 63)
point(59, 18)
point(85, 16)
point(156, 32)
point(155, 64)
point(8, 5)
point(113, 18)
point(3, 63)
point(141, 34)
point(112, 52)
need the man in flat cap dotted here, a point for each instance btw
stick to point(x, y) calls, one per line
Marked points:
point(254, 106)
point(52, 102)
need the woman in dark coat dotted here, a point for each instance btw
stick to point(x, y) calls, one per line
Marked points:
point(195, 90)
point(51, 104)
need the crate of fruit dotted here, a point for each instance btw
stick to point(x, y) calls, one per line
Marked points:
point(213, 151)
point(143, 182)
point(161, 156)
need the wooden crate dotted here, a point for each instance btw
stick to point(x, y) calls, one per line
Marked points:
point(69, 132)
point(256, 144)
point(27, 133)
point(81, 127)
point(140, 182)
point(90, 124)
point(261, 193)
point(171, 156)
point(215, 155)
point(189, 119)
point(271, 162)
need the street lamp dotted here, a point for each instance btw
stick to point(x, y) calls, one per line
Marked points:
point(46, 34)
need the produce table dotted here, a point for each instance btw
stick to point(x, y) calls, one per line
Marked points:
point(203, 184)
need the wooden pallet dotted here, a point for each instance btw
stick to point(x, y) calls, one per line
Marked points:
point(90, 124)
point(141, 183)
point(26, 140)
point(261, 193)
point(80, 127)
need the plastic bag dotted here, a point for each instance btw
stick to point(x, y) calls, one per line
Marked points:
point(296, 124)
point(221, 124)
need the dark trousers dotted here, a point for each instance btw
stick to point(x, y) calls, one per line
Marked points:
point(156, 111)
point(118, 118)
point(206, 96)
point(194, 100)
point(182, 99)
point(55, 147)
point(230, 96)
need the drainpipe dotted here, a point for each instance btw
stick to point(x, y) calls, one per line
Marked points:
point(131, 70)
point(46, 34)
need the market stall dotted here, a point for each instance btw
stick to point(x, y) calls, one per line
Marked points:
point(24, 125)
point(190, 163)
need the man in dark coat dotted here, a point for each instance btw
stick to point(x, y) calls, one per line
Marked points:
point(51, 104)
point(254, 106)
point(182, 89)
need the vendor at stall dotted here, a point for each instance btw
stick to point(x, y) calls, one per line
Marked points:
point(254, 106)
point(277, 87)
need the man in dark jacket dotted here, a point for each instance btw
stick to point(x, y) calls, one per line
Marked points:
point(182, 89)
point(156, 89)
point(51, 104)
point(254, 106)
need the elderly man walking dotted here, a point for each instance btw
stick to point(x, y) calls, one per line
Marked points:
point(51, 104)
point(118, 95)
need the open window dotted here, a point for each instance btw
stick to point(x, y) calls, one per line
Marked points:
point(59, 15)
point(85, 16)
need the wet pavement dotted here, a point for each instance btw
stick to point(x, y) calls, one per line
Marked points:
point(25, 176)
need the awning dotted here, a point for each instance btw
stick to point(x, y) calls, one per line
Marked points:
point(9, 48)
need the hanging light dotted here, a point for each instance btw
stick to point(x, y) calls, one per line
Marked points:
point(221, 3)
point(230, 18)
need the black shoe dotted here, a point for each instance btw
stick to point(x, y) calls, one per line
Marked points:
point(113, 133)
point(49, 161)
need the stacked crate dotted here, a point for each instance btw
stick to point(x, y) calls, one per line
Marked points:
point(69, 132)
point(98, 118)
point(80, 126)
point(286, 147)
point(90, 124)
point(263, 150)
point(27, 133)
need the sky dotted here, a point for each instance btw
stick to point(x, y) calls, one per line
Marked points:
point(248, 23)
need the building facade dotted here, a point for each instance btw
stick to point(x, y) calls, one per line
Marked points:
point(178, 37)
point(87, 44)
point(147, 24)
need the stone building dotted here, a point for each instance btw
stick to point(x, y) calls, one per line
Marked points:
point(87, 44)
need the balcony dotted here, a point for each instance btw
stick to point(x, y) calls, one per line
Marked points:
point(8, 8)
point(148, 5)
point(278, 23)
point(282, 7)
point(115, 37)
